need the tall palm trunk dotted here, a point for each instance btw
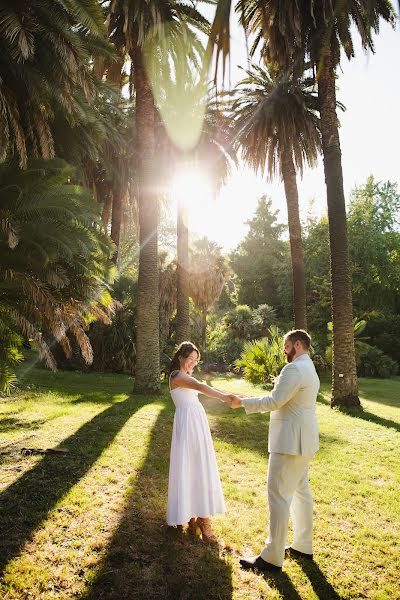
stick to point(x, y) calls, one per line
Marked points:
point(116, 219)
point(296, 244)
point(106, 199)
point(147, 377)
point(182, 275)
point(344, 373)
point(203, 331)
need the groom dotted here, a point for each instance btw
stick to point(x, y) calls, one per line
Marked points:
point(292, 442)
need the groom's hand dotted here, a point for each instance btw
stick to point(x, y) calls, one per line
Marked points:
point(236, 401)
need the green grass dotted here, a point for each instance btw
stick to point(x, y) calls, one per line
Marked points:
point(89, 523)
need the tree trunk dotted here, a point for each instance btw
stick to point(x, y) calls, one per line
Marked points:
point(203, 332)
point(147, 373)
point(106, 199)
point(116, 219)
point(182, 276)
point(344, 372)
point(296, 244)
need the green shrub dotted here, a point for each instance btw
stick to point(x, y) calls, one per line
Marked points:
point(247, 323)
point(114, 345)
point(320, 364)
point(262, 360)
point(264, 316)
point(240, 322)
point(227, 333)
point(361, 347)
point(223, 347)
point(374, 363)
point(382, 330)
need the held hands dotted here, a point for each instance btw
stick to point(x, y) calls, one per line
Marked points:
point(234, 401)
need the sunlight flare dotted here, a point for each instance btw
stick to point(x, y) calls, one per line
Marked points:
point(192, 189)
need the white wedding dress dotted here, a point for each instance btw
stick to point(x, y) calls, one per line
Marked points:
point(194, 488)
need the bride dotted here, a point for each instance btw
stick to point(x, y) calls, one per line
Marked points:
point(194, 488)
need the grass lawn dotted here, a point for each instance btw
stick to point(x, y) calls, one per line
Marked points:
point(88, 522)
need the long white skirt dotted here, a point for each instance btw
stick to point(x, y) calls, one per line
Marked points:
point(194, 487)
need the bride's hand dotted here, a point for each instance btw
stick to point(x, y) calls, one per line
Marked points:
point(234, 401)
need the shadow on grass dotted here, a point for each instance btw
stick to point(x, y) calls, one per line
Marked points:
point(381, 391)
point(146, 559)
point(246, 432)
point(283, 584)
point(97, 388)
point(364, 415)
point(251, 433)
point(322, 587)
point(26, 503)
point(12, 424)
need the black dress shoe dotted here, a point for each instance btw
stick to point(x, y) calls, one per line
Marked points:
point(289, 551)
point(258, 563)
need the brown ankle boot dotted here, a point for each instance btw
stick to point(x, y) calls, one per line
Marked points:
point(193, 525)
point(206, 530)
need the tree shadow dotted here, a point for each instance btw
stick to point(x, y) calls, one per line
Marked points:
point(147, 559)
point(363, 414)
point(381, 391)
point(251, 433)
point(246, 432)
point(26, 503)
point(97, 388)
point(9, 424)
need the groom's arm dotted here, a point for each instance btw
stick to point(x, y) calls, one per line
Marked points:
point(285, 388)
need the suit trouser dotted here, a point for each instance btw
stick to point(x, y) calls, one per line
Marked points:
point(288, 493)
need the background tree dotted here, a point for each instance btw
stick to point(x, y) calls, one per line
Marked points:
point(374, 258)
point(373, 221)
point(208, 275)
point(277, 128)
point(213, 156)
point(261, 260)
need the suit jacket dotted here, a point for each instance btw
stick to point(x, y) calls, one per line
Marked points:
point(293, 427)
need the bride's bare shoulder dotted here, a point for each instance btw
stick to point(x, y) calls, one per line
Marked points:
point(180, 379)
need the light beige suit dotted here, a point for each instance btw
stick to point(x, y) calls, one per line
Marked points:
point(292, 442)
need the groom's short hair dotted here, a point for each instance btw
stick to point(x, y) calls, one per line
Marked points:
point(299, 335)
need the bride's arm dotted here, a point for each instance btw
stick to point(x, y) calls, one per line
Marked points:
point(185, 381)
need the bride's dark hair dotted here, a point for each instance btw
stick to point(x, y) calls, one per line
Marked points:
point(183, 351)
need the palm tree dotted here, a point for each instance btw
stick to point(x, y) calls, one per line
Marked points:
point(100, 145)
point(139, 30)
point(213, 156)
point(45, 50)
point(331, 33)
point(277, 128)
point(167, 297)
point(182, 274)
point(208, 275)
point(55, 261)
point(317, 30)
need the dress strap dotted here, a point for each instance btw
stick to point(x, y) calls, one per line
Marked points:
point(172, 374)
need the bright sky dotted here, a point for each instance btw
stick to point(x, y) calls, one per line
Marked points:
point(369, 86)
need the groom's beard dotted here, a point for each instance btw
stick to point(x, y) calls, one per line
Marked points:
point(290, 355)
